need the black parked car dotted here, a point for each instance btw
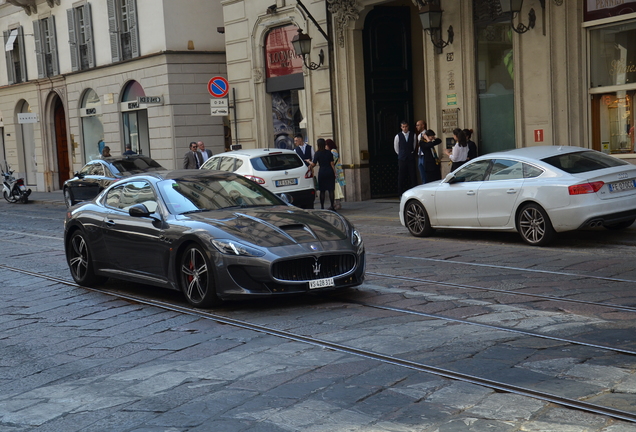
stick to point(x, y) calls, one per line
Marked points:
point(211, 234)
point(98, 174)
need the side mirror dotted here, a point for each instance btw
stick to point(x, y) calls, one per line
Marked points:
point(450, 178)
point(139, 210)
point(287, 198)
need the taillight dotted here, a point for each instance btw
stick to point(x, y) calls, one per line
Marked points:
point(585, 188)
point(309, 174)
point(256, 179)
point(20, 182)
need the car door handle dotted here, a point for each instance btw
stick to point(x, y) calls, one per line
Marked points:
point(512, 191)
point(110, 222)
point(470, 193)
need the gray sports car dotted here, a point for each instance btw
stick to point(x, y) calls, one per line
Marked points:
point(214, 235)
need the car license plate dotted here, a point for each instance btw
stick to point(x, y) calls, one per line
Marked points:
point(321, 283)
point(287, 182)
point(623, 185)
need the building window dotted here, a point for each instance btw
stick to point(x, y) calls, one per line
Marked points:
point(613, 86)
point(122, 24)
point(46, 47)
point(80, 37)
point(92, 126)
point(16, 60)
point(134, 119)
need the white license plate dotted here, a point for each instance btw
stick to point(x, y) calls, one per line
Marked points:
point(321, 283)
point(287, 182)
point(621, 186)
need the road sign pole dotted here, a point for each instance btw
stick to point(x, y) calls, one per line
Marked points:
point(235, 121)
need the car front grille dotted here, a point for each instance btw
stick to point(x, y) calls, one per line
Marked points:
point(308, 268)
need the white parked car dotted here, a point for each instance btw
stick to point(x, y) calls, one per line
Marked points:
point(536, 191)
point(278, 170)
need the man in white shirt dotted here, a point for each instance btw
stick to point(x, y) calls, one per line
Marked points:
point(205, 153)
point(305, 151)
point(405, 146)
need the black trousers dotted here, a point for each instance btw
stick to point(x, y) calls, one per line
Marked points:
point(407, 177)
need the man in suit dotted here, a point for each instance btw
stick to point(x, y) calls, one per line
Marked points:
point(205, 153)
point(192, 159)
point(405, 146)
point(305, 151)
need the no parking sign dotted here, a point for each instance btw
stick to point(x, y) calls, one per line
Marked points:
point(218, 87)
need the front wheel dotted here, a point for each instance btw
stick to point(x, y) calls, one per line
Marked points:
point(197, 278)
point(68, 198)
point(534, 225)
point(416, 219)
point(80, 261)
point(9, 197)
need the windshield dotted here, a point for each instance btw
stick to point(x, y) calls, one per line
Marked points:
point(584, 161)
point(136, 164)
point(192, 194)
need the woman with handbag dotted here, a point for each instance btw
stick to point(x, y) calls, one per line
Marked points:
point(340, 179)
point(432, 166)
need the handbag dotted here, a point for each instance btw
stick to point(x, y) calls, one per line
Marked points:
point(435, 156)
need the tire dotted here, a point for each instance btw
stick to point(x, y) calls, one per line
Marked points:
point(620, 225)
point(534, 225)
point(196, 278)
point(68, 198)
point(80, 263)
point(9, 198)
point(416, 219)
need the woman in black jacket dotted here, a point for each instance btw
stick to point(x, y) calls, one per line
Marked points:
point(431, 160)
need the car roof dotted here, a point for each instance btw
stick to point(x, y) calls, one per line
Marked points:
point(255, 152)
point(182, 173)
point(537, 152)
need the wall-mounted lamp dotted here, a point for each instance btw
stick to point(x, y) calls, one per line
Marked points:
point(302, 45)
point(431, 17)
point(514, 8)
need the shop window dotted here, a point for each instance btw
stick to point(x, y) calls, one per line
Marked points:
point(613, 55)
point(80, 37)
point(124, 35)
point(135, 120)
point(16, 59)
point(287, 117)
point(46, 47)
point(92, 127)
point(613, 119)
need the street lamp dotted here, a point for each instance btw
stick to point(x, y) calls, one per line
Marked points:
point(431, 17)
point(513, 7)
point(302, 46)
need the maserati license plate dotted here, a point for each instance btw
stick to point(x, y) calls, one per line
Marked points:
point(321, 283)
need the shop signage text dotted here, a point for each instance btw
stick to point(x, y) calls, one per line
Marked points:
point(599, 9)
point(280, 57)
point(150, 100)
point(619, 67)
point(24, 118)
point(450, 119)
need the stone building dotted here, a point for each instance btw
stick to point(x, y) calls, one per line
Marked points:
point(83, 74)
point(555, 72)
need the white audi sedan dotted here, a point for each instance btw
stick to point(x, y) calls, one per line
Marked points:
point(536, 191)
point(278, 170)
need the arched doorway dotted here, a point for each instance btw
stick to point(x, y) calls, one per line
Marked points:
point(389, 83)
point(61, 142)
point(134, 119)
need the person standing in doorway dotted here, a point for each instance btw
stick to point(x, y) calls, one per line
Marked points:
point(192, 159)
point(404, 146)
point(205, 153)
point(340, 179)
point(305, 151)
point(128, 150)
point(420, 128)
point(326, 173)
point(431, 160)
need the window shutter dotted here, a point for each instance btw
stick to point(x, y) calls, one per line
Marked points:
point(113, 29)
point(53, 38)
point(72, 39)
point(90, 46)
point(39, 54)
point(134, 32)
point(23, 65)
point(9, 56)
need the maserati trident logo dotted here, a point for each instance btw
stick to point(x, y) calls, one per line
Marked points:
point(316, 268)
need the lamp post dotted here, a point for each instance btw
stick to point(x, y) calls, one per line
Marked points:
point(513, 7)
point(302, 46)
point(431, 18)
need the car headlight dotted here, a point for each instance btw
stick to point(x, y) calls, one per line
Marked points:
point(231, 247)
point(356, 238)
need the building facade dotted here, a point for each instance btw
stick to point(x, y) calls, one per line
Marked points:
point(557, 72)
point(80, 75)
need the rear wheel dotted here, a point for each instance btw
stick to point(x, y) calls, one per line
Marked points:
point(80, 262)
point(417, 220)
point(620, 225)
point(534, 225)
point(197, 278)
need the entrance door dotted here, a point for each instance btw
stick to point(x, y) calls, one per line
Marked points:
point(388, 81)
point(61, 143)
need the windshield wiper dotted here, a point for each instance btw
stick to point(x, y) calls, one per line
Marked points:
point(195, 211)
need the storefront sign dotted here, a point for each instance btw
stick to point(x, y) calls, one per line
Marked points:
point(280, 57)
point(24, 118)
point(155, 100)
point(92, 111)
point(598, 9)
point(450, 120)
point(451, 99)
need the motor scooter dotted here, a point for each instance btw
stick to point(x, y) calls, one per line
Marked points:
point(13, 189)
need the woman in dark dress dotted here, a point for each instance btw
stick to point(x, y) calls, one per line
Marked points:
point(326, 173)
point(472, 147)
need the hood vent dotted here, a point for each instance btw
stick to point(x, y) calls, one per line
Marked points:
point(299, 232)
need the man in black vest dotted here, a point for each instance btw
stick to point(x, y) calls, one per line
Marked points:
point(305, 151)
point(404, 145)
